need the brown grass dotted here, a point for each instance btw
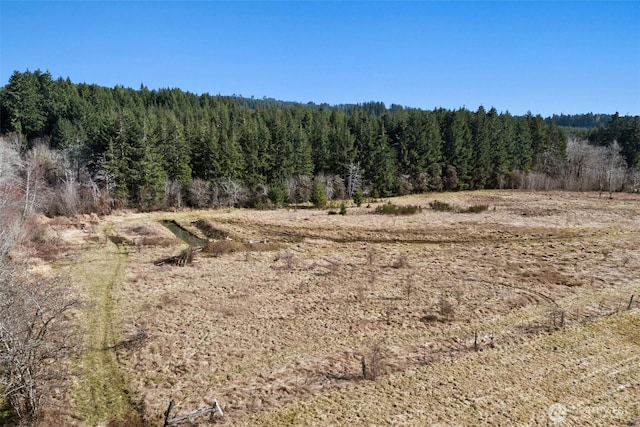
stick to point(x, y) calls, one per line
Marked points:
point(210, 230)
point(223, 247)
point(275, 337)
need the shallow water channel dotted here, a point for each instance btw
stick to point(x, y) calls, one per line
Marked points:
point(183, 234)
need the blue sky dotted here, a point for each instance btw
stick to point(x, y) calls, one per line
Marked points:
point(544, 57)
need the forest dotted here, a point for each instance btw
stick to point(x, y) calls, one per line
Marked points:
point(95, 148)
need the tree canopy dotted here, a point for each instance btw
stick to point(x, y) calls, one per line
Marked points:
point(140, 139)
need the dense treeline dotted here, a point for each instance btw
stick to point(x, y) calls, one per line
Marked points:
point(147, 147)
point(584, 121)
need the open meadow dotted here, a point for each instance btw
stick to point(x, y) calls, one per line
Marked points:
point(518, 315)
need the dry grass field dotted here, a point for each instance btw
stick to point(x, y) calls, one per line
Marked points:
point(519, 315)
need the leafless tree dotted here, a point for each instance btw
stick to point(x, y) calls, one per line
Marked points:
point(10, 196)
point(594, 167)
point(580, 165)
point(36, 334)
point(339, 189)
point(373, 361)
point(327, 182)
point(354, 178)
point(616, 168)
point(10, 219)
point(405, 185)
point(173, 193)
point(586, 166)
point(9, 161)
point(260, 195)
point(538, 181)
point(104, 177)
point(198, 192)
point(234, 192)
point(634, 178)
point(41, 169)
point(66, 199)
point(299, 188)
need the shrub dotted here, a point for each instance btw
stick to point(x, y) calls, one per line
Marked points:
point(445, 308)
point(7, 417)
point(475, 209)
point(358, 197)
point(391, 209)
point(278, 195)
point(37, 338)
point(437, 205)
point(373, 362)
point(343, 208)
point(299, 188)
point(319, 195)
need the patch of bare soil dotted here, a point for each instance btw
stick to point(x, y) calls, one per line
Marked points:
point(413, 302)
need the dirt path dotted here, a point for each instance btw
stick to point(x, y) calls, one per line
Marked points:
point(100, 393)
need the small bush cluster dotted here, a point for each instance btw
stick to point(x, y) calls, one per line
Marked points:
point(391, 209)
point(439, 206)
point(343, 210)
point(474, 209)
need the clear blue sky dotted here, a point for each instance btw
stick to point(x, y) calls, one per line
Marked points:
point(544, 57)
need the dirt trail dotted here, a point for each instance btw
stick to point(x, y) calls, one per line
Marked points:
point(100, 392)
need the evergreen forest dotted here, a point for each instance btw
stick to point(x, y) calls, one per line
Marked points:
point(96, 148)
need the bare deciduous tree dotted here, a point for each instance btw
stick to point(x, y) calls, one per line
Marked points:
point(198, 192)
point(327, 182)
point(41, 166)
point(373, 362)
point(634, 178)
point(299, 188)
point(9, 161)
point(354, 178)
point(234, 192)
point(67, 195)
point(10, 196)
point(36, 334)
point(10, 218)
point(616, 168)
point(173, 193)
